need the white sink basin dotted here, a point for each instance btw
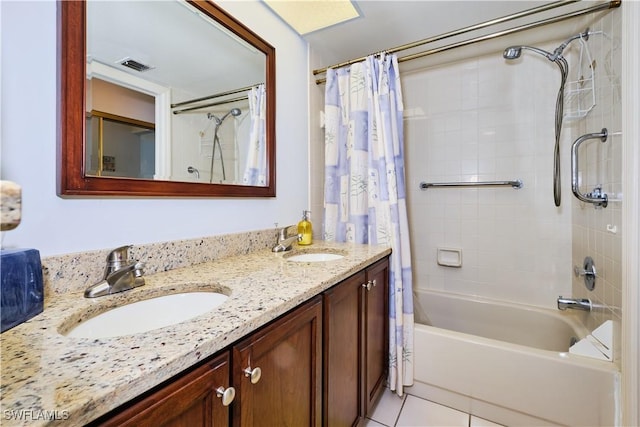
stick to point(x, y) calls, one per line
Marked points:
point(315, 257)
point(146, 315)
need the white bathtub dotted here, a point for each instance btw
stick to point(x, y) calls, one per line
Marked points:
point(509, 363)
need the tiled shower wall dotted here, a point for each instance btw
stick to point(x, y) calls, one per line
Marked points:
point(485, 119)
point(598, 232)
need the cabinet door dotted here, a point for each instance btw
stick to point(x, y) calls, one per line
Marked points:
point(342, 332)
point(376, 331)
point(189, 401)
point(287, 390)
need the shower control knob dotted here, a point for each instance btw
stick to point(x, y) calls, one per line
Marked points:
point(588, 271)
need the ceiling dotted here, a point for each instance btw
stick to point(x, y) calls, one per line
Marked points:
point(387, 24)
point(186, 50)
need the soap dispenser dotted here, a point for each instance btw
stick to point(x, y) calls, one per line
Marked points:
point(305, 229)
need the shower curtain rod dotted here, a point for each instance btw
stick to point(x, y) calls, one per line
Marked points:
point(603, 6)
point(211, 104)
point(215, 95)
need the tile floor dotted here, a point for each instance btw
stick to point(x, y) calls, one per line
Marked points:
point(411, 411)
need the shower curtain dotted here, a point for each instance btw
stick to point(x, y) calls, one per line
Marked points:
point(365, 198)
point(255, 172)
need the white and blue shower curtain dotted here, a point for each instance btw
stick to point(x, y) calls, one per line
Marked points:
point(364, 194)
point(255, 172)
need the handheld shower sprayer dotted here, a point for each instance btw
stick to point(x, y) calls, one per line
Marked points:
point(514, 52)
point(216, 140)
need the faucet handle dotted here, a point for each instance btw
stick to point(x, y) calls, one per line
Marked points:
point(138, 269)
point(117, 259)
point(283, 233)
point(119, 255)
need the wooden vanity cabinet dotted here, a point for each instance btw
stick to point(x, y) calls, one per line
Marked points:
point(343, 323)
point(322, 363)
point(376, 332)
point(355, 345)
point(288, 390)
point(189, 401)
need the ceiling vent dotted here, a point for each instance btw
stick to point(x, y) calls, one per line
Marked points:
point(135, 65)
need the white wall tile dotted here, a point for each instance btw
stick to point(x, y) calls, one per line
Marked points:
point(496, 228)
point(600, 163)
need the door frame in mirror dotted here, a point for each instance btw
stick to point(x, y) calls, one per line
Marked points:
point(71, 178)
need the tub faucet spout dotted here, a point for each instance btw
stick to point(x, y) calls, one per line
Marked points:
point(574, 303)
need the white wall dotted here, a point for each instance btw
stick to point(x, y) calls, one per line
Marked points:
point(55, 225)
point(316, 148)
point(111, 98)
point(631, 214)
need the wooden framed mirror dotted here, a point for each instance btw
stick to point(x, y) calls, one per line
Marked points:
point(76, 175)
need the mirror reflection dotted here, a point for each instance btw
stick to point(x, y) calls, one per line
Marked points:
point(185, 105)
point(111, 137)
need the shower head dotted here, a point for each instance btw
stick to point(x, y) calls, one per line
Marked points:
point(234, 112)
point(512, 52)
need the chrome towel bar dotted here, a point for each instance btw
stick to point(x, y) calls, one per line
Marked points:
point(517, 184)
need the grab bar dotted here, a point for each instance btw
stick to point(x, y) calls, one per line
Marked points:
point(515, 184)
point(597, 197)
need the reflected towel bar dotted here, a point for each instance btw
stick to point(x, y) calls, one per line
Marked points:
point(517, 184)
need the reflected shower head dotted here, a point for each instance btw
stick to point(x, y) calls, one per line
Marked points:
point(234, 112)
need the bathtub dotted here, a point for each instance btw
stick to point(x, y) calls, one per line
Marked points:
point(509, 363)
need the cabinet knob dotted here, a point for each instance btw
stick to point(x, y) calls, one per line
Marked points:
point(255, 374)
point(369, 284)
point(227, 395)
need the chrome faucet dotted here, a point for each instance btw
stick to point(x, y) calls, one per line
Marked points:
point(285, 243)
point(574, 303)
point(120, 274)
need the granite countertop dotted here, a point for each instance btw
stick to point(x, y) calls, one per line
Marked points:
point(50, 378)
